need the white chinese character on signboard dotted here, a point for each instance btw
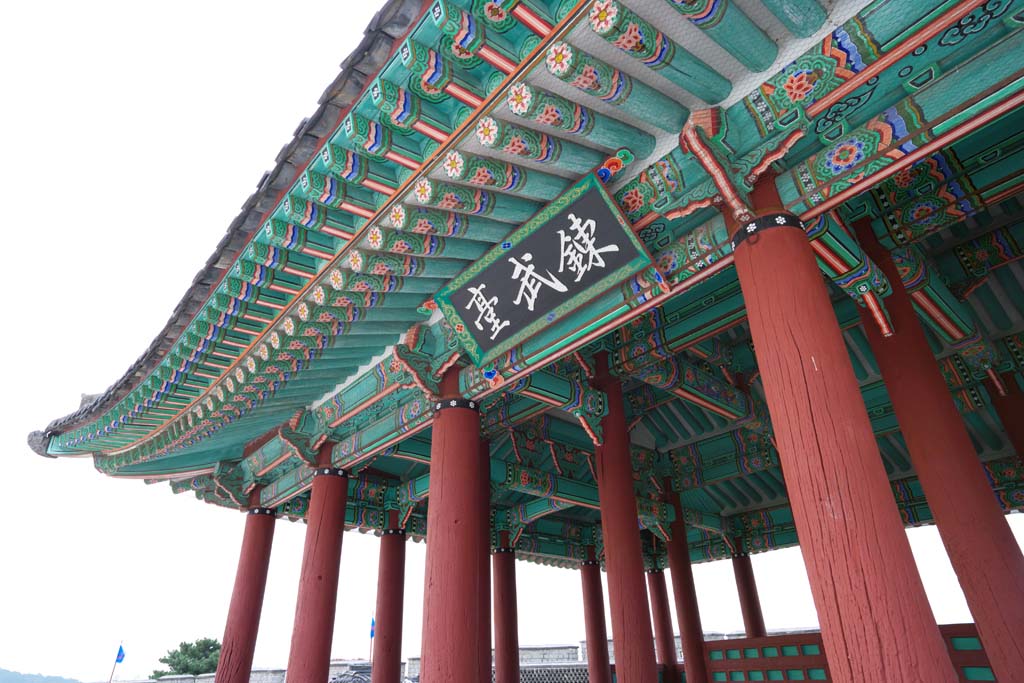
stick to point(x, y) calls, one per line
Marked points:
point(579, 253)
point(485, 307)
point(530, 281)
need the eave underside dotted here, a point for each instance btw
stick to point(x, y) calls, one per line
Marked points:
point(353, 266)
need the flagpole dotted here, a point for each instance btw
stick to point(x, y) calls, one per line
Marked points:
point(119, 646)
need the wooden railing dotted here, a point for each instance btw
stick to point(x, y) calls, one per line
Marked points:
point(802, 657)
point(774, 658)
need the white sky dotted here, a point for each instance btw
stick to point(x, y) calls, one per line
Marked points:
point(131, 133)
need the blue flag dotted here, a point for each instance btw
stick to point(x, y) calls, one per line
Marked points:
point(373, 626)
point(120, 654)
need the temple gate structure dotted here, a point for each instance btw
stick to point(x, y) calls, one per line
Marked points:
point(622, 286)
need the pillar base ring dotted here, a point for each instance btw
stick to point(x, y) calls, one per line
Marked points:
point(262, 511)
point(780, 219)
point(469, 403)
point(329, 472)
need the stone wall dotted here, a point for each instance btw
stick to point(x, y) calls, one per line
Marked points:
point(551, 663)
point(549, 654)
point(338, 667)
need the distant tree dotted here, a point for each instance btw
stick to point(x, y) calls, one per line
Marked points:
point(191, 659)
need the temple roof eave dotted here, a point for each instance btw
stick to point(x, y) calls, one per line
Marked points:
point(388, 25)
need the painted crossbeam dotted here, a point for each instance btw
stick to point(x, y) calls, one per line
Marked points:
point(573, 395)
point(552, 493)
point(687, 381)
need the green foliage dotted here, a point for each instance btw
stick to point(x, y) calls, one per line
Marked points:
point(191, 659)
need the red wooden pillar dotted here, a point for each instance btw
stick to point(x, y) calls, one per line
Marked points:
point(746, 586)
point(1010, 409)
point(691, 634)
point(631, 621)
point(598, 667)
point(876, 623)
point(664, 635)
point(980, 544)
point(451, 602)
point(243, 622)
point(506, 614)
point(485, 567)
point(310, 656)
point(387, 641)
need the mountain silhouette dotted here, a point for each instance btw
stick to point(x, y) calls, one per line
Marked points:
point(15, 677)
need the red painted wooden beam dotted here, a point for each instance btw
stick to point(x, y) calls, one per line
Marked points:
point(664, 634)
point(631, 620)
point(598, 668)
point(1009, 406)
point(685, 594)
point(859, 564)
point(982, 549)
point(750, 605)
point(451, 603)
point(310, 656)
point(243, 621)
point(485, 569)
point(506, 614)
point(387, 641)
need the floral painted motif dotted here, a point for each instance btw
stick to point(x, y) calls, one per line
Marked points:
point(904, 178)
point(800, 84)
point(588, 79)
point(550, 115)
point(423, 225)
point(515, 145)
point(381, 268)
point(355, 261)
point(482, 176)
point(602, 16)
point(631, 40)
point(495, 12)
point(845, 156)
point(401, 247)
point(337, 279)
point(559, 58)
point(289, 328)
point(460, 52)
point(397, 216)
point(487, 131)
point(632, 201)
point(924, 212)
point(450, 201)
point(375, 238)
point(454, 164)
point(423, 190)
point(275, 340)
point(519, 98)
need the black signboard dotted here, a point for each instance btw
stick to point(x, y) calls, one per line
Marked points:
point(576, 247)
